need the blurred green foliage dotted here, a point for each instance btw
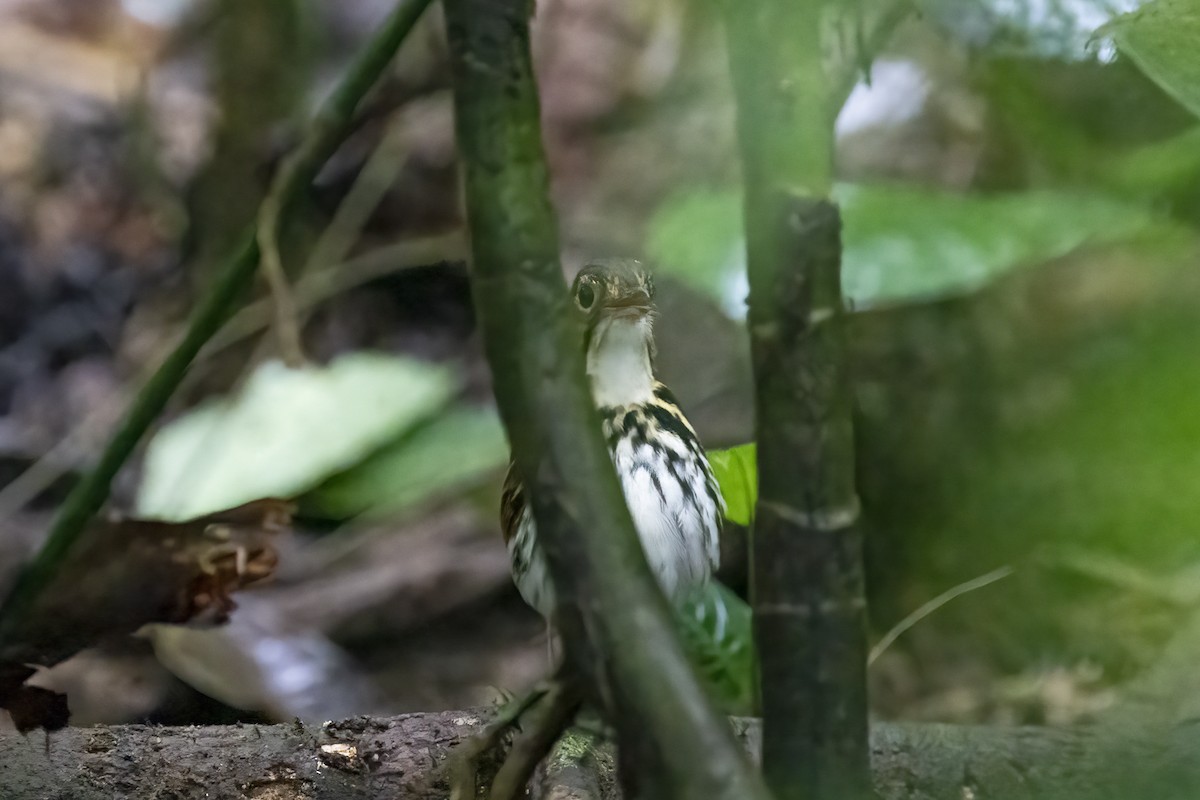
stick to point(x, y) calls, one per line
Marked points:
point(459, 447)
point(1161, 38)
point(715, 625)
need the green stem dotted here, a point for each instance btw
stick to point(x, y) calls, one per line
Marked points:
point(326, 133)
point(807, 592)
point(618, 632)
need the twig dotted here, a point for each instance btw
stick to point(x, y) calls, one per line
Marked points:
point(377, 175)
point(551, 720)
point(287, 327)
point(320, 285)
point(933, 605)
point(364, 195)
point(324, 136)
point(50, 465)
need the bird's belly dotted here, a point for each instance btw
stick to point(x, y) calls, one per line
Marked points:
point(675, 512)
point(675, 517)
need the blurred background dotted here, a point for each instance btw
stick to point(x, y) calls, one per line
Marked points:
point(1020, 212)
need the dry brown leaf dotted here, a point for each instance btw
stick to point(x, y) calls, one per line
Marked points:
point(126, 573)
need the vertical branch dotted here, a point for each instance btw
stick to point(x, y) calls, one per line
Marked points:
point(806, 549)
point(615, 622)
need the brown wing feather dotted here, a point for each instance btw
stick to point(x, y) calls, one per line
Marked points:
point(512, 503)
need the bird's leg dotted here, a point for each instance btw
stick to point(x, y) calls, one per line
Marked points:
point(550, 707)
point(463, 764)
point(548, 721)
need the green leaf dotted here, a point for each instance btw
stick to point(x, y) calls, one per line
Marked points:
point(1163, 39)
point(737, 475)
point(902, 244)
point(285, 432)
point(461, 446)
point(716, 628)
point(697, 235)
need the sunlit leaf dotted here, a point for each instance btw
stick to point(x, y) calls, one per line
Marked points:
point(1163, 39)
point(737, 474)
point(455, 448)
point(901, 243)
point(715, 625)
point(285, 432)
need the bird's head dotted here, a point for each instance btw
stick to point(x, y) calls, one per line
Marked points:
point(616, 297)
point(613, 288)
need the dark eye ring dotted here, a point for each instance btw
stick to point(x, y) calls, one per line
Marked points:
point(585, 296)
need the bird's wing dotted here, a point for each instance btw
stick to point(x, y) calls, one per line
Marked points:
point(512, 503)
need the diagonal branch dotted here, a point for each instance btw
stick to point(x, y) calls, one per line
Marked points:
point(616, 625)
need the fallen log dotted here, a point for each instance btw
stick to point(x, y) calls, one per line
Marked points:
point(400, 758)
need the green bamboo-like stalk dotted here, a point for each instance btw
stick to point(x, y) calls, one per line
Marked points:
point(328, 128)
point(809, 612)
point(615, 622)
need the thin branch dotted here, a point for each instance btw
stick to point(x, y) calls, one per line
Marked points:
point(933, 605)
point(318, 286)
point(615, 623)
point(377, 176)
point(326, 133)
point(286, 323)
point(372, 183)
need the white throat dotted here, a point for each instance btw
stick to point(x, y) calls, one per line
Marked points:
point(618, 361)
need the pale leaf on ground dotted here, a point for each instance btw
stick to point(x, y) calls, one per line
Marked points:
point(286, 431)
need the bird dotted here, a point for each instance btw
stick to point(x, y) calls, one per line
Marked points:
point(666, 478)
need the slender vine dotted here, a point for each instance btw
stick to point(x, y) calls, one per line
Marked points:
point(326, 132)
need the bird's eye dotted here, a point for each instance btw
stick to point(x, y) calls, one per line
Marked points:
point(585, 296)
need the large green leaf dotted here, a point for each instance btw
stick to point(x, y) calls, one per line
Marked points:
point(458, 447)
point(908, 244)
point(285, 432)
point(715, 625)
point(737, 475)
point(901, 243)
point(1163, 39)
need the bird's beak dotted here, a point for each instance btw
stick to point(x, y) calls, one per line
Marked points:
point(635, 303)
